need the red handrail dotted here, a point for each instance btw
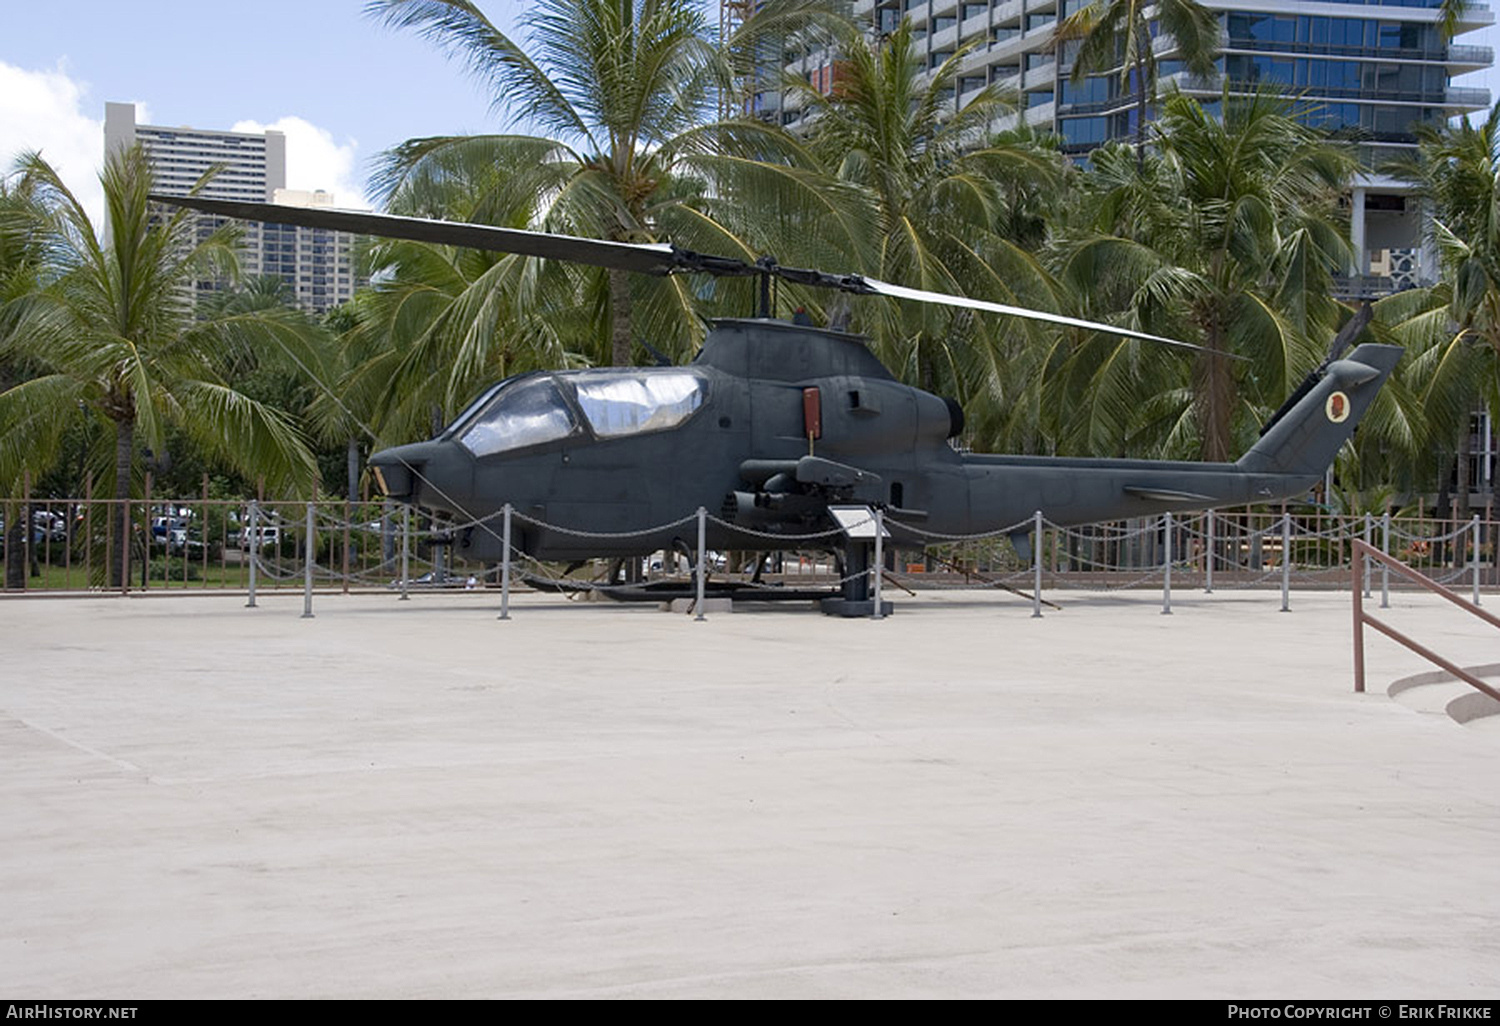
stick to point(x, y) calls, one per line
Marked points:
point(1361, 618)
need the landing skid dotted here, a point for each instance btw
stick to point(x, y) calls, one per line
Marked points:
point(666, 591)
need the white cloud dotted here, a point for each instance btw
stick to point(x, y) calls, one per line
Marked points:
point(42, 110)
point(314, 160)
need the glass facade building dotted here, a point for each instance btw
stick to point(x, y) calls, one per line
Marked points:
point(1368, 70)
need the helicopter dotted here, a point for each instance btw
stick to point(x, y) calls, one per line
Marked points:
point(779, 428)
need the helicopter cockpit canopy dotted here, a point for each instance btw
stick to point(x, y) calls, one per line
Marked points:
point(537, 409)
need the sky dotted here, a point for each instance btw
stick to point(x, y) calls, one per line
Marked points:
point(340, 85)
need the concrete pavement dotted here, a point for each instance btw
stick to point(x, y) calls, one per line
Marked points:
point(412, 799)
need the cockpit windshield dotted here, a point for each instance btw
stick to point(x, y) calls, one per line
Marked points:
point(534, 410)
point(618, 404)
point(526, 412)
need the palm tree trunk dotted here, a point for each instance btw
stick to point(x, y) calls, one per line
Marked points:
point(352, 465)
point(620, 317)
point(1214, 388)
point(1465, 444)
point(15, 546)
point(120, 515)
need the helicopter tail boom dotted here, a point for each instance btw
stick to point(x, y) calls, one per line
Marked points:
point(1291, 457)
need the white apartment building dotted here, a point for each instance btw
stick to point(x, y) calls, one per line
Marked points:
point(315, 263)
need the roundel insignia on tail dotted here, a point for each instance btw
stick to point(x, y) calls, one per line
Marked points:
point(1337, 407)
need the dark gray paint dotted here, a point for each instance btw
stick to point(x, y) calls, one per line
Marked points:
point(742, 457)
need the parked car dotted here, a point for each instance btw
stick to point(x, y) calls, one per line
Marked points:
point(45, 527)
point(169, 531)
point(270, 537)
point(48, 526)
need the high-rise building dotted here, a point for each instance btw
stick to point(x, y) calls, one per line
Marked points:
point(1367, 68)
point(316, 264)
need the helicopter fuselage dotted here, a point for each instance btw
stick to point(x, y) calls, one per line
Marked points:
point(771, 425)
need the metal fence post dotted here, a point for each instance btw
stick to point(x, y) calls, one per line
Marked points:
point(1166, 576)
point(1208, 579)
point(1369, 540)
point(307, 566)
point(252, 550)
point(124, 553)
point(1385, 570)
point(1359, 630)
point(405, 553)
point(505, 565)
point(1036, 566)
point(1286, 562)
point(879, 568)
point(702, 559)
point(1474, 557)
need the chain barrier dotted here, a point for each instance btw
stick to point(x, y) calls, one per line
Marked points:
point(774, 536)
point(605, 534)
point(1076, 547)
point(342, 543)
point(1396, 532)
point(1020, 526)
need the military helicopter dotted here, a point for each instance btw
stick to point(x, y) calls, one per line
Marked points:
point(776, 426)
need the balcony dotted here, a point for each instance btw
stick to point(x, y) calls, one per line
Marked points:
point(1356, 287)
point(1464, 96)
point(947, 39)
point(1106, 106)
point(1006, 14)
point(1041, 115)
point(1452, 96)
point(969, 96)
point(974, 26)
point(1477, 16)
point(1008, 84)
point(1030, 42)
point(1475, 57)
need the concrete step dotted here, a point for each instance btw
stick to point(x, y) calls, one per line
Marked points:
point(1438, 691)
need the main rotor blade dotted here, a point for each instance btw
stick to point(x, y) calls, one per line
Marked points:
point(644, 258)
point(923, 296)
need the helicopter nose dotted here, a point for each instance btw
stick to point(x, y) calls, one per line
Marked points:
point(399, 470)
point(437, 475)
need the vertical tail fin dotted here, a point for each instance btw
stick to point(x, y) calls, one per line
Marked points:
point(1304, 441)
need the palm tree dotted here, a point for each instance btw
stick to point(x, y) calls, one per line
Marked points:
point(1453, 328)
point(115, 341)
point(626, 90)
point(436, 325)
point(955, 209)
point(1116, 34)
point(22, 270)
point(1226, 238)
